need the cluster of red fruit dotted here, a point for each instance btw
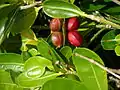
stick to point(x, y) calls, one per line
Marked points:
point(72, 25)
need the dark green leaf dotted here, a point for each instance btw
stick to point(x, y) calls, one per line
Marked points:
point(93, 7)
point(63, 84)
point(108, 41)
point(11, 61)
point(5, 21)
point(10, 1)
point(91, 75)
point(61, 9)
point(115, 9)
point(107, 0)
point(23, 20)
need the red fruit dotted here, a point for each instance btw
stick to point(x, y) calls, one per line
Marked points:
point(72, 24)
point(55, 24)
point(75, 38)
point(57, 39)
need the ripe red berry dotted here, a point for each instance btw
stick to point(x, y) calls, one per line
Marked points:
point(57, 39)
point(75, 38)
point(55, 24)
point(72, 24)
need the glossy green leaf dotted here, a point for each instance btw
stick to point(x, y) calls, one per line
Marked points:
point(61, 9)
point(6, 82)
point(23, 20)
point(38, 61)
point(91, 75)
point(2, 28)
point(25, 81)
point(11, 61)
point(5, 20)
point(63, 84)
point(117, 50)
point(48, 52)
point(108, 41)
point(66, 51)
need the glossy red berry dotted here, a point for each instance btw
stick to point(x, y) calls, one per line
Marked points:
point(55, 24)
point(72, 24)
point(57, 39)
point(75, 38)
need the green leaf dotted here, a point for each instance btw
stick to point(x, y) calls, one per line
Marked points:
point(25, 81)
point(38, 62)
point(108, 41)
point(5, 20)
point(91, 75)
point(6, 82)
point(10, 1)
point(45, 50)
point(117, 50)
point(63, 84)
point(11, 61)
point(66, 51)
point(93, 7)
point(23, 20)
point(117, 38)
point(112, 10)
point(5, 77)
point(61, 9)
point(107, 0)
point(48, 52)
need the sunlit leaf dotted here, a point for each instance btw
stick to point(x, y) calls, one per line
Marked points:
point(38, 61)
point(11, 61)
point(63, 84)
point(91, 75)
point(117, 50)
point(66, 51)
point(25, 81)
point(6, 82)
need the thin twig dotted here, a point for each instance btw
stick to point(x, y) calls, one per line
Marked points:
point(97, 64)
point(95, 35)
point(30, 6)
point(116, 1)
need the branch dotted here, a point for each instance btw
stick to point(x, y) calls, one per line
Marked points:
point(97, 64)
point(30, 6)
point(103, 20)
point(116, 1)
point(115, 70)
